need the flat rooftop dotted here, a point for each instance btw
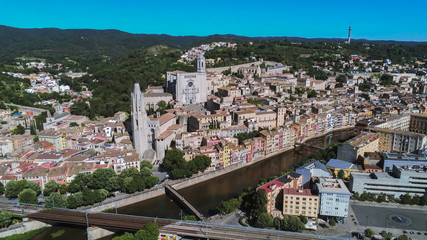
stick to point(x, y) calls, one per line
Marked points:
point(331, 185)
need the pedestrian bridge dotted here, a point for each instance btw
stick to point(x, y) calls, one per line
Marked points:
point(171, 192)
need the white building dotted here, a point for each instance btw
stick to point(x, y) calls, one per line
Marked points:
point(6, 147)
point(334, 197)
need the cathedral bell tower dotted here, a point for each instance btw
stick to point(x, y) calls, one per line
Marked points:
point(141, 133)
point(201, 63)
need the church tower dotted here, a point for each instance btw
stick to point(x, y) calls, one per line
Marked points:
point(201, 63)
point(140, 130)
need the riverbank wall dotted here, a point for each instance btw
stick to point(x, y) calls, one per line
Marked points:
point(22, 228)
point(128, 199)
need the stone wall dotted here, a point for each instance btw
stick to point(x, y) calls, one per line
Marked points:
point(22, 228)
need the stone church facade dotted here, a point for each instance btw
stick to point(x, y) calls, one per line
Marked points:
point(189, 88)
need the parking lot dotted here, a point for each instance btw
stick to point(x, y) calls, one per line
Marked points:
point(391, 217)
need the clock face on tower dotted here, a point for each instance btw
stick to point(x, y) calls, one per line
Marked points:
point(190, 84)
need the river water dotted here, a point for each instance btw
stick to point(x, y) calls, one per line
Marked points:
point(206, 196)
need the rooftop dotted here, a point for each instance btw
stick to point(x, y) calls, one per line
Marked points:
point(330, 185)
point(301, 192)
point(340, 164)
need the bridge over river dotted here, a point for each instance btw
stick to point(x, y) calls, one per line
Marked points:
point(120, 222)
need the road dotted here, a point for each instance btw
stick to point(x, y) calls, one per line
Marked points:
point(382, 216)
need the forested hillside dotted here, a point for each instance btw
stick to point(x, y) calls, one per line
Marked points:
point(115, 60)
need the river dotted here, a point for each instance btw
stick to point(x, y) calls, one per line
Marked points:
point(206, 196)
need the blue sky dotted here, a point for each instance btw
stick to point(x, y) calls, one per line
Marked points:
point(392, 19)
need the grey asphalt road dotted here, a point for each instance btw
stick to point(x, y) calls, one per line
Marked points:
point(382, 216)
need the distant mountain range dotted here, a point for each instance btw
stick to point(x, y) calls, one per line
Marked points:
point(53, 43)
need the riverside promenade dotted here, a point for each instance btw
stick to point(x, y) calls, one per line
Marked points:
point(122, 200)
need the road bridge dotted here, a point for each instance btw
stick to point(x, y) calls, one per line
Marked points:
point(130, 223)
point(170, 191)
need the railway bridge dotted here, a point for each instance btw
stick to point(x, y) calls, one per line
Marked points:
point(120, 222)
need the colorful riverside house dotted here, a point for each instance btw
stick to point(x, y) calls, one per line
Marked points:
point(224, 155)
point(258, 147)
point(248, 143)
point(281, 137)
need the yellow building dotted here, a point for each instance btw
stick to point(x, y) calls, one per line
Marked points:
point(223, 154)
point(335, 165)
point(298, 202)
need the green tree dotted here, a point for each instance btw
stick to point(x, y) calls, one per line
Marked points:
point(113, 184)
point(126, 236)
point(101, 194)
point(303, 219)
point(403, 237)
point(423, 200)
point(416, 199)
point(2, 105)
point(32, 185)
point(73, 124)
point(33, 129)
point(162, 106)
point(1, 189)
point(75, 200)
point(332, 223)
point(369, 233)
point(386, 80)
point(146, 163)
point(56, 200)
point(28, 196)
point(254, 203)
point(89, 196)
point(6, 218)
point(11, 190)
point(341, 174)
point(174, 159)
point(36, 139)
point(149, 232)
point(311, 94)
point(63, 188)
point(130, 172)
point(386, 235)
point(264, 220)
point(18, 130)
point(229, 206)
point(190, 218)
point(79, 182)
point(341, 78)
point(50, 187)
point(406, 199)
point(381, 197)
point(150, 181)
point(146, 172)
point(100, 177)
point(292, 223)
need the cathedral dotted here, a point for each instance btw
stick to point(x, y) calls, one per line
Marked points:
point(189, 88)
point(153, 135)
